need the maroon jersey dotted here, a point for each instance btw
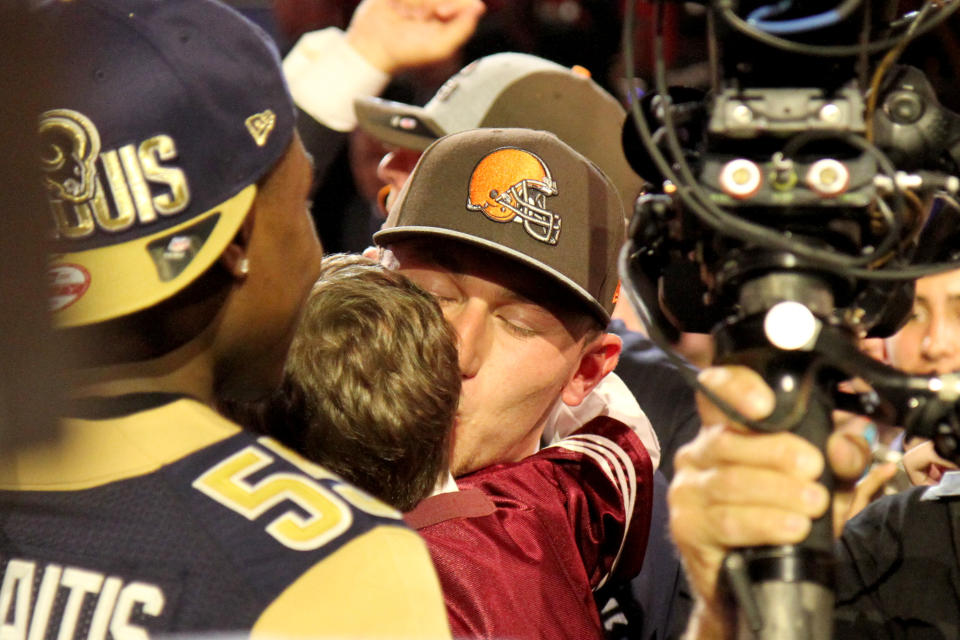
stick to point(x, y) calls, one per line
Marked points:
point(522, 546)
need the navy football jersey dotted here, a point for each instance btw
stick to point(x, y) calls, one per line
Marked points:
point(152, 514)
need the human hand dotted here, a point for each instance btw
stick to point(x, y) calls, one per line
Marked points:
point(740, 488)
point(852, 496)
point(398, 34)
point(847, 504)
point(924, 466)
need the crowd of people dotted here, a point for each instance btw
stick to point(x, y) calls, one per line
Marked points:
point(462, 432)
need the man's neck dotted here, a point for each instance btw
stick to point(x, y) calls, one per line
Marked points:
point(186, 370)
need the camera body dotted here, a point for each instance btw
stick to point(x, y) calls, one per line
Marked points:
point(792, 144)
point(789, 214)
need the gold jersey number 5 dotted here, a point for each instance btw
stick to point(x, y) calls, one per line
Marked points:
point(327, 516)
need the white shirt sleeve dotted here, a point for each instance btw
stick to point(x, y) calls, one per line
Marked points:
point(610, 398)
point(325, 74)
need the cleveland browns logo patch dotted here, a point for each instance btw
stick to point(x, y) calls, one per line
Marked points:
point(512, 184)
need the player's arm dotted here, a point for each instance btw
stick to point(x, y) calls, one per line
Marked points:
point(399, 34)
point(327, 69)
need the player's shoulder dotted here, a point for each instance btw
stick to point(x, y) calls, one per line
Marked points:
point(323, 553)
point(602, 441)
point(310, 543)
point(209, 526)
point(266, 510)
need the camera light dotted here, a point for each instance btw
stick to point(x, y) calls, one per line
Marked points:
point(790, 326)
point(828, 177)
point(740, 178)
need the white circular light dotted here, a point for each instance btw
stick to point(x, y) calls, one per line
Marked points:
point(828, 177)
point(740, 178)
point(790, 326)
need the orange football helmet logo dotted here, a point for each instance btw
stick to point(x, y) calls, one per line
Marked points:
point(513, 184)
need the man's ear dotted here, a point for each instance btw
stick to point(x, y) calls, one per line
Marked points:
point(599, 358)
point(235, 257)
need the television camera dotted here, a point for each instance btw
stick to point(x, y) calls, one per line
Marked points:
point(791, 207)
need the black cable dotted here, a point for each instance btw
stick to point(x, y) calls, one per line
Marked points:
point(696, 199)
point(627, 253)
point(634, 101)
point(714, 216)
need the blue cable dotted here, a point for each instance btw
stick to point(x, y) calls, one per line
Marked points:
point(762, 13)
point(798, 25)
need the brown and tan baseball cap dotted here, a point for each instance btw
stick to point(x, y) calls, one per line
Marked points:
point(523, 194)
point(513, 90)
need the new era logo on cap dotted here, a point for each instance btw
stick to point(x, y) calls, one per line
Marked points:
point(260, 125)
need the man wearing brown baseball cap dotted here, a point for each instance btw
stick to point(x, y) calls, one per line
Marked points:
point(516, 235)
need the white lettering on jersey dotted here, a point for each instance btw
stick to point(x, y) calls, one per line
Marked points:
point(80, 582)
point(15, 599)
point(23, 617)
point(149, 595)
point(46, 596)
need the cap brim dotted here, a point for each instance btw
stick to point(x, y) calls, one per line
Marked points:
point(125, 278)
point(385, 236)
point(399, 124)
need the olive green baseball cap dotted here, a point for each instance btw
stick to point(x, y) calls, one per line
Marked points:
point(513, 90)
point(523, 194)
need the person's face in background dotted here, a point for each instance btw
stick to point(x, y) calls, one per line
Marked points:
point(394, 170)
point(930, 341)
point(365, 153)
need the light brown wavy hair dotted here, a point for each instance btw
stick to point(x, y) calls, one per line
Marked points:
point(371, 383)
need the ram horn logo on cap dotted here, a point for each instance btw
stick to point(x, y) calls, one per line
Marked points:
point(71, 145)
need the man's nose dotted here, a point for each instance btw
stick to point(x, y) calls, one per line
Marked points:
point(470, 323)
point(941, 339)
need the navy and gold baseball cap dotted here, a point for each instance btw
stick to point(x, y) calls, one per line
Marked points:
point(156, 129)
point(523, 194)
